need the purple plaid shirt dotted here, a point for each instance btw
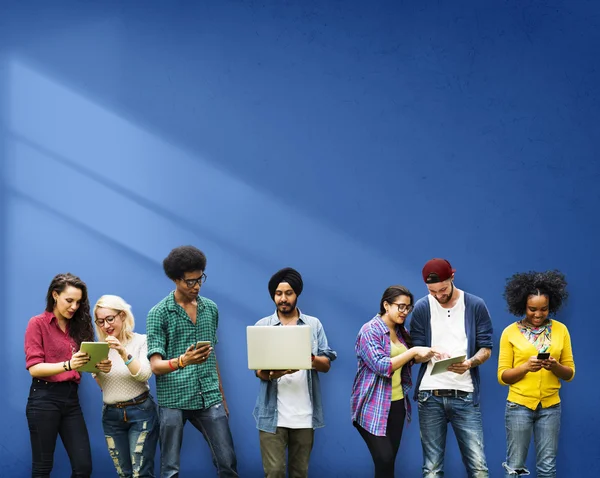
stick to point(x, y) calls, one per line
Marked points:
point(372, 389)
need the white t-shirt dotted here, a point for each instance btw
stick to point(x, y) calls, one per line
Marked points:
point(294, 406)
point(119, 385)
point(449, 334)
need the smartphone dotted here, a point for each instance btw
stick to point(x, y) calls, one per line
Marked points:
point(544, 356)
point(202, 343)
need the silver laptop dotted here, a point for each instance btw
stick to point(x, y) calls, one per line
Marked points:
point(279, 347)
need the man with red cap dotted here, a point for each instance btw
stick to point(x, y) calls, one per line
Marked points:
point(289, 405)
point(456, 323)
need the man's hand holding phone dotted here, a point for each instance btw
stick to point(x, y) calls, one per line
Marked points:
point(197, 353)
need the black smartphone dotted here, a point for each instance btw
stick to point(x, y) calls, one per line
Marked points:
point(544, 356)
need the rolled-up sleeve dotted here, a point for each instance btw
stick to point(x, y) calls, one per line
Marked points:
point(157, 340)
point(34, 345)
point(323, 345)
point(371, 350)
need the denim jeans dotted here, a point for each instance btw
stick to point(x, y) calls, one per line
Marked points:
point(53, 409)
point(521, 422)
point(465, 417)
point(214, 426)
point(132, 443)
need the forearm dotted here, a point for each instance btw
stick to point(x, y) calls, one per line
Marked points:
point(134, 366)
point(480, 357)
point(562, 371)
point(160, 366)
point(42, 370)
point(513, 375)
point(321, 364)
point(402, 359)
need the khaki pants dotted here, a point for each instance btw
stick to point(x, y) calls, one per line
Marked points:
point(299, 443)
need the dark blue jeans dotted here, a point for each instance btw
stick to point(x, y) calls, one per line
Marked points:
point(53, 409)
point(132, 443)
point(212, 423)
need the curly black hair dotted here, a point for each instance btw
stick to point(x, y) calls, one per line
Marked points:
point(524, 284)
point(184, 259)
point(80, 326)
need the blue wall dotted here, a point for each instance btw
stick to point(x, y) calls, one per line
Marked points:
point(351, 141)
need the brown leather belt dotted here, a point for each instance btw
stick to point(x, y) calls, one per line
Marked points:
point(134, 401)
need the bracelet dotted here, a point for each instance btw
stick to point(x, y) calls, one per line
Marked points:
point(171, 366)
point(69, 364)
point(181, 362)
point(65, 366)
point(131, 359)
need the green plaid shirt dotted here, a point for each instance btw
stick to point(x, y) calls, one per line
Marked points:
point(170, 332)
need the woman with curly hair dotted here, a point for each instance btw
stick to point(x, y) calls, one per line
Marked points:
point(52, 355)
point(535, 355)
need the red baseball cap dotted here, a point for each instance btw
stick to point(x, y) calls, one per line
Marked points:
point(437, 270)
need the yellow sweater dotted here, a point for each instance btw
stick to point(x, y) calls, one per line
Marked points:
point(535, 387)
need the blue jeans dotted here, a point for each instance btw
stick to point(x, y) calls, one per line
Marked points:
point(465, 417)
point(132, 443)
point(521, 422)
point(214, 426)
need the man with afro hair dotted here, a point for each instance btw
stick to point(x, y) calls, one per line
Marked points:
point(182, 331)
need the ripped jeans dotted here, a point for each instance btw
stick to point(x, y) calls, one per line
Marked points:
point(132, 443)
point(521, 423)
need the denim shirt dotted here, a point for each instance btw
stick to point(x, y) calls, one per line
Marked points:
point(265, 411)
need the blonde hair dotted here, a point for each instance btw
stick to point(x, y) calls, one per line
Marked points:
point(116, 303)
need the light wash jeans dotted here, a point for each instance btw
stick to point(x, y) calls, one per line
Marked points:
point(465, 417)
point(212, 423)
point(521, 422)
point(132, 443)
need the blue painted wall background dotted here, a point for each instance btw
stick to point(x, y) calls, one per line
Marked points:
point(350, 140)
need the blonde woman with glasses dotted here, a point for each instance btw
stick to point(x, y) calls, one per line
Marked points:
point(129, 415)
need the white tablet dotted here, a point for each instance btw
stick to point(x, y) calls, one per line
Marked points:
point(441, 366)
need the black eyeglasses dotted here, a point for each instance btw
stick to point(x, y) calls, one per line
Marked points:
point(192, 282)
point(404, 308)
point(109, 320)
